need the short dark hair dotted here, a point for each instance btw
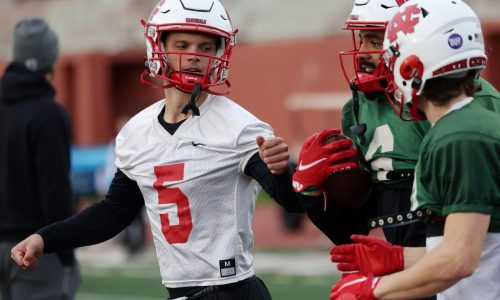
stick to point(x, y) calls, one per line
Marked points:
point(442, 89)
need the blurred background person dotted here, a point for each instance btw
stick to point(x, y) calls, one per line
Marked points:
point(35, 189)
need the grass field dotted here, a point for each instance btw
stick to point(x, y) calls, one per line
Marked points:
point(141, 281)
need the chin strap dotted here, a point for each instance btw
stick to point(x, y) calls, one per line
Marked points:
point(358, 129)
point(191, 106)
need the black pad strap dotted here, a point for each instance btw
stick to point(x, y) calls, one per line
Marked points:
point(401, 219)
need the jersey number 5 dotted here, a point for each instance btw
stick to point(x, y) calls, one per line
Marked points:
point(174, 234)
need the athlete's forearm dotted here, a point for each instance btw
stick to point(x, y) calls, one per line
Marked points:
point(430, 275)
point(412, 255)
point(456, 257)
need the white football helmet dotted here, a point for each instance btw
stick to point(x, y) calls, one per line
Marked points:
point(198, 16)
point(428, 39)
point(366, 15)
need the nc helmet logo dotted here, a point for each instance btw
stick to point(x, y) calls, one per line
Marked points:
point(455, 41)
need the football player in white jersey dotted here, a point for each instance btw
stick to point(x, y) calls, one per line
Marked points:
point(194, 159)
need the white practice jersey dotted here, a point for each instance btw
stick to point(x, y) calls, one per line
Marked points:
point(483, 283)
point(199, 202)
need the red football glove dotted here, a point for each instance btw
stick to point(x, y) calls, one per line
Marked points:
point(354, 287)
point(368, 256)
point(317, 161)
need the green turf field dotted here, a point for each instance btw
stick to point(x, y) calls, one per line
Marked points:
point(142, 282)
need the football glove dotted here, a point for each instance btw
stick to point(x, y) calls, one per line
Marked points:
point(317, 160)
point(354, 287)
point(368, 255)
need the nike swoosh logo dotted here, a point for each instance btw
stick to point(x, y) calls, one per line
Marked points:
point(198, 144)
point(308, 166)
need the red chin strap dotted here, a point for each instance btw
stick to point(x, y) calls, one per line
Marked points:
point(364, 82)
point(185, 82)
point(368, 83)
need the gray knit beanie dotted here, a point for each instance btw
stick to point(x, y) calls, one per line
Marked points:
point(35, 44)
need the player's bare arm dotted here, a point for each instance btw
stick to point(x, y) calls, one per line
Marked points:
point(455, 258)
point(412, 255)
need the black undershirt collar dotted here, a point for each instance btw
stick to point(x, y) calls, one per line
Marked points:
point(170, 127)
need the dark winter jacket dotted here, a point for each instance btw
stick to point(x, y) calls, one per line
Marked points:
point(35, 136)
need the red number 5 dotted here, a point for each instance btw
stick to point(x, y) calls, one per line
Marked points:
point(174, 234)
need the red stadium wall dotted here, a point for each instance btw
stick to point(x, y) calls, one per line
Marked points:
point(491, 31)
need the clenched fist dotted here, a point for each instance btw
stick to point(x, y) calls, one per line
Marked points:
point(274, 153)
point(27, 252)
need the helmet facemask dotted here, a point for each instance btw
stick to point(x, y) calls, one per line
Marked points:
point(158, 64)
point(363, 81)
point(188, 16)
point(366, 16)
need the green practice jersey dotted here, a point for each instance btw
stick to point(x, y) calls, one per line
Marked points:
point(488, 96)
point(391, 143)
point(459, 165)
